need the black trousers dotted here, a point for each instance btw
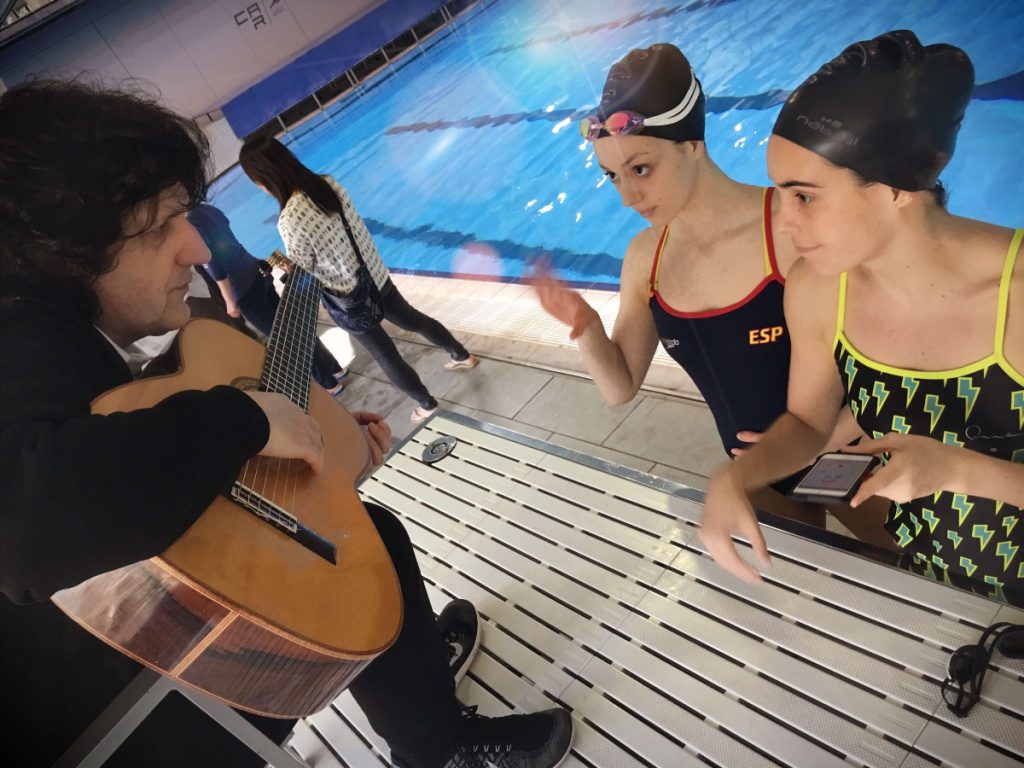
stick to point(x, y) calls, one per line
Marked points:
point(383, 350)
point(407, 693)
point(259, 305)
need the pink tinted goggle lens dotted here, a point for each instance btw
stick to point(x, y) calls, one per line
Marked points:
point(620, 123)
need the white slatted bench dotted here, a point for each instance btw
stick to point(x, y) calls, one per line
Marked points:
point(597, 593)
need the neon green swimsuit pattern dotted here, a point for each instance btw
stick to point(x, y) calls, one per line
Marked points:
point(979, 407)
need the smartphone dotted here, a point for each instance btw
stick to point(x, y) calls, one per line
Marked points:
point(834, 477)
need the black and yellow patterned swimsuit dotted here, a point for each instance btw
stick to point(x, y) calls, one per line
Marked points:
point(979, 407)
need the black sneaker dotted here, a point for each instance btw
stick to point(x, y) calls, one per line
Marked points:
point(460, 629)
point(541, 740)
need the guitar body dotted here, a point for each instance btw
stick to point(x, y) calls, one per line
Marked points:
point(235, 607)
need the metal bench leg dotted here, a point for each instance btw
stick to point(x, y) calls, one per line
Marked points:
point(247, 733)
point(114, 724)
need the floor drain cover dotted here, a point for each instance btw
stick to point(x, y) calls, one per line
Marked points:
point(438, 449)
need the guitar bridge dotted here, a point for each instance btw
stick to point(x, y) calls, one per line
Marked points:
point(284, 521)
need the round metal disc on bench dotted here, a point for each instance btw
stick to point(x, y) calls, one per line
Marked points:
point(438, 449)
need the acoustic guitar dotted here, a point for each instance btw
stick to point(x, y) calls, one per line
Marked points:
point(282, 591)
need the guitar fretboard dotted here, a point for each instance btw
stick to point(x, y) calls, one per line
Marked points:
point(289, 360)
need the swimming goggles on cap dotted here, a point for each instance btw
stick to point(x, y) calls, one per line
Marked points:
point(625, 123)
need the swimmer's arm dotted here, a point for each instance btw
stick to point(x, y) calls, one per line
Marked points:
point(619, 364)
point(989, 477)
point(845, 431)
point(815, 391)
point(796, 437)
point(920, 466)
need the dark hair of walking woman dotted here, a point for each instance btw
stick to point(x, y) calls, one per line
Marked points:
point(269, 163)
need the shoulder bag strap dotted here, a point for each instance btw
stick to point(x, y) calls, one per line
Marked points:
point(351, 238)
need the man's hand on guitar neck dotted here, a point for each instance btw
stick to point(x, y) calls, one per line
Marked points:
point(294, 434)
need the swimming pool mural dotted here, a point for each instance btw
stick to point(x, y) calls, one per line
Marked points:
point(464, 156)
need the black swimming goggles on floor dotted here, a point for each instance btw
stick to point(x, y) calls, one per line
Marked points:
point(968, 664)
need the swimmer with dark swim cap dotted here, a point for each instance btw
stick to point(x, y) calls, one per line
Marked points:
point(652, 91)
point(914, 315)
point(888, 109)
point(706, 277)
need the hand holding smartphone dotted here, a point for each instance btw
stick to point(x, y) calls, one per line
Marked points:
point(835, 477)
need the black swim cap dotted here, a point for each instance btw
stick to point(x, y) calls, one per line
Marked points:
point(652, 81)
point(888, 109)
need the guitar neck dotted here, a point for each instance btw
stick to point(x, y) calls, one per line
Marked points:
point(289, 361)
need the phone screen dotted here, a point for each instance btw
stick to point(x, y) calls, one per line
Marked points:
point(833, 474)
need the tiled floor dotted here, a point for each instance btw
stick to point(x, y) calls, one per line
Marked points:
point(531, 379)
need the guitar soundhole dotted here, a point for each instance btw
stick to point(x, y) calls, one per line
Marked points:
point(246, 383)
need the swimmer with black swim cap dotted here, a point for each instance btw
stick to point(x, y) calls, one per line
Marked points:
point(707, 277)
point(888, 109)
point(914, 315)
point(652, 91)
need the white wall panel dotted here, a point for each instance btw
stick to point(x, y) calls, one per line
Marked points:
point(224, 65)
point(197, 54)
point(85, 51)
point(274, 38)
point(147, 47)
point(18, 72)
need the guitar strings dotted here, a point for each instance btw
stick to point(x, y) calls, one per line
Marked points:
point(292, 362)
point(307, 335)
point(310, 338)
point(286, 369)
point(303, 325)
point(285, 353)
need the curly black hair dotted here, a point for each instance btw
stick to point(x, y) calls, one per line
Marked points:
point(76, 160)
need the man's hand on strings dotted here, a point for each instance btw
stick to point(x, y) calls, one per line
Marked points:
point(294, 434)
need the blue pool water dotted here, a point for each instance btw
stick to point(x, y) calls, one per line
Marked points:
point(466, 159)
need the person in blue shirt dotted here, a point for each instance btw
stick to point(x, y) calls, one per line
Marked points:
point(248, 290)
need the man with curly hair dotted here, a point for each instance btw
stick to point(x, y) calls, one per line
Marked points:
point(96, 253)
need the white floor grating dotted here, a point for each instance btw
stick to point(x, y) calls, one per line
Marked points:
point(596, 593)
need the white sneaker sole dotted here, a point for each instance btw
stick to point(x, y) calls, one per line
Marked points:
point(572, 738)
point(461, 672)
